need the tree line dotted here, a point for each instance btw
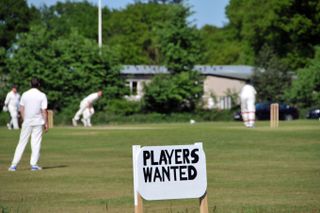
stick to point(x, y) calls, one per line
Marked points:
point(59, 44)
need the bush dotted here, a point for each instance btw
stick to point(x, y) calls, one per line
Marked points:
point(4, 118)
point(123, 107)
point(109, 117)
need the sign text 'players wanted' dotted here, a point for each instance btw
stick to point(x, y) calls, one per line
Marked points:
point(171, 172)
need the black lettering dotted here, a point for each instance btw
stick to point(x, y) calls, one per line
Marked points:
point(147, 173)
point(192, 173)
point(169, 156)
point(157, 175)
point(183, 173)
point(174, 168)
point(195, 156)
point(166, 173)
point(146, 156)
point(178, 156)
point(186, 153)
point(152, 159)
point(163, 158)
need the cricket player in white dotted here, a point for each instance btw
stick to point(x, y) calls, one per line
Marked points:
point(86, 116)
point(33, 109)
point(12, 104)
point(86, 103)
point(248, 109)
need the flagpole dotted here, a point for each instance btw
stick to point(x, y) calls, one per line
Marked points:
point(100, 25)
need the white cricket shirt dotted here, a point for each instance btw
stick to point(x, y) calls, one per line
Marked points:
point(248, 91)
point(91, 98)
point(12, 99)
point(33, 101)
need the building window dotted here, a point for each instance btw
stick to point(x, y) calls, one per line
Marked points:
point(133, 87)
point(225, 102)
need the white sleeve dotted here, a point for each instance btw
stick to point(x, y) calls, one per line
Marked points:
point(44, 103)
point(254, 90)
point(22, 101)
point(6, 102)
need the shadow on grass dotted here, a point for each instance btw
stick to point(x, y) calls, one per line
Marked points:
point(54, 167)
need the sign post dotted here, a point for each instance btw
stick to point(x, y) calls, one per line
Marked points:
point(169, 172)
point(204, 203)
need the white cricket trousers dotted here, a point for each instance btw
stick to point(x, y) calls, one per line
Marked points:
point(248, 111)
point(83, 106)
point(36, 138)
point(14, 117)
point(86, 116)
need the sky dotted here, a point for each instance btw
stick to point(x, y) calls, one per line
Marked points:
point(205, 11)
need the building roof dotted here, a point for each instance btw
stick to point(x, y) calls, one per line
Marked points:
point(227, 71)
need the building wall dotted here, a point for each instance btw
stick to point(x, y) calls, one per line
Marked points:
point(213, 86)
point(218, 87)
point(136, 85)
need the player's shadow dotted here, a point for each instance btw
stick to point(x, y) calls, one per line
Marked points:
point(54, 167)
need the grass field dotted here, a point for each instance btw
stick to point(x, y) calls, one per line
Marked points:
point(90, 170)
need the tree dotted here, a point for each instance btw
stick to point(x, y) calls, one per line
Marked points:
point(66, 16)
point(134, 31)
point(271, 77)
point(161, 1)
point(179, 42)
point(290, 27)
point(182, 88)
point(69, 67)
point(180, 92)
point(305, 90)
point(222, 47)
point(15, 17)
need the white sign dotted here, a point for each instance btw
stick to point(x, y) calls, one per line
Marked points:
point(170, 172)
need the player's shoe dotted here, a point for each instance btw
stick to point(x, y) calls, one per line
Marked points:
point(9, 126)
point(74, 122)
point(36, 168)
point(12, 168)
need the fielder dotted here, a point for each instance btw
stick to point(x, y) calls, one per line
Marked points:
point(11, 104)
point(248, 109)
point(86, 104)
point(33, 109)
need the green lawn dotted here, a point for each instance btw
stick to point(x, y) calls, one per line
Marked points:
point(90, 170)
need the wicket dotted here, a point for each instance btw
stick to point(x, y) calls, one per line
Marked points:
point(274, 115)
point(50, 118)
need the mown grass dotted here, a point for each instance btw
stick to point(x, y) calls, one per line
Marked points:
point(90, 170)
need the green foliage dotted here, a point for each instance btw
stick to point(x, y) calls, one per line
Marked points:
point(2, 73)
point(271, 77)
point(117, 116)
point(133, 31)
point(15, 16)
point(221, 47)
point(179, 42)
point(123, 107)
point(4, 118)
point(64, 17)
point(69, 67)
point(161, 1)
point(305, 89)
point(180, 48)
point(180, 92)
point(290, 27)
